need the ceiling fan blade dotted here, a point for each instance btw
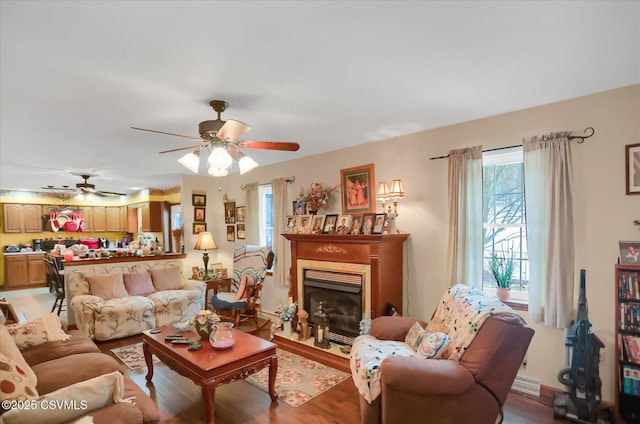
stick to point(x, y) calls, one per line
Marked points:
point(269, 145)
point(182, 148)
point(168, 133)
point(232, 129)
point(110, 193)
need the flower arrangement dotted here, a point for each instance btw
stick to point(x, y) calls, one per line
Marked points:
point(502, 267)
point(203, 322)
point(316, 197)
point(286, 312)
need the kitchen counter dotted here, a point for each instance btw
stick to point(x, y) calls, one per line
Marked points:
point(77, 262)
point(40, 252)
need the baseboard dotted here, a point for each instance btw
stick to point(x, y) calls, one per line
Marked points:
point(527, 386)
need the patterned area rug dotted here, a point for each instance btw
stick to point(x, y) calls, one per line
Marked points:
point(299, 379)
point(132, 356)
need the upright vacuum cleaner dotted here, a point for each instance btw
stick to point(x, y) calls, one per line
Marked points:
point(581, 400)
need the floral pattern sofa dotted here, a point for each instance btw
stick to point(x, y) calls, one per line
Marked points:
point(119, 313)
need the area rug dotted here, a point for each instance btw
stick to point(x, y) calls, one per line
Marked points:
point(132, 356)
point(299, 379)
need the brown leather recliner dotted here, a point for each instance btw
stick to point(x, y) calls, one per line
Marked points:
point(471, 390)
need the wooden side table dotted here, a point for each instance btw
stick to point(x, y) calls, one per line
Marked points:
point(215, 285)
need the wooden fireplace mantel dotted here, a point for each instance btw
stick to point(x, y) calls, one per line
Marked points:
point(382, 252)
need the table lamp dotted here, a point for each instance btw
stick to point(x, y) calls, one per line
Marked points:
point(205, 242)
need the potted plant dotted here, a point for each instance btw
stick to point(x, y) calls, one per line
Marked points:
point(502, 267)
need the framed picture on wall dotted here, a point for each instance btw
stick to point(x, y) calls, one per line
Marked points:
point(199, 199)
point(240, 231)
point(230, 212)
point(357, 187)
point(632, 166)
point(240, 217)
point(231, 233)
point(199, 214)
point(629, 252)
point(199, 227)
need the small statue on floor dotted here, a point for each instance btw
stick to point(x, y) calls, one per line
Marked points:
point(305, 331)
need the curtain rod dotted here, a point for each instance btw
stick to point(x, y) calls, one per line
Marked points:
point(580, 138)
point(290, 180)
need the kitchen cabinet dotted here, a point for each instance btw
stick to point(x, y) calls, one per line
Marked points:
point(12, 218)
point(151, 216)
point(113, 218)
point(123, 218)
point(32, 218)
point(22, 218)
point(99, 219)
point(24, 270)
point(87, 215)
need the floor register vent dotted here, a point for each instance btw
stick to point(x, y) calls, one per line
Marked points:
point(527, 386)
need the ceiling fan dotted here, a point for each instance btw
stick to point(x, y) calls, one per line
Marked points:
point(221, 137)
point(83, 188)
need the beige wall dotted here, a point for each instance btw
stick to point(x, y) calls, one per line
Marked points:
point(604, 214)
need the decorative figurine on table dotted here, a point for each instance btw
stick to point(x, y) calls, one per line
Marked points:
point(321, 323)
point(305, 331)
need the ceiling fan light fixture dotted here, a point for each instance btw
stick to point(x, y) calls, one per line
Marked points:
point(91, 197)
point(246, 164)
point(79, 196)
point(191, 161)
point(218, 172)
point(220, 158)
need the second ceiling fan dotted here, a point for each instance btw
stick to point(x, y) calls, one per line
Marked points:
point(221, 137)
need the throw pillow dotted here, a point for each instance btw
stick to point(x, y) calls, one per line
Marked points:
point(415, 335)
point(167, 278)
point(138, 284)
point(107, 286)
point(14, 382)
point(9, 349)
point(437, 327)
point(85, 396)
point(37, 331)
point(433, 345)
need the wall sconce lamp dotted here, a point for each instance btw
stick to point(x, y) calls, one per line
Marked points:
point(205, 242)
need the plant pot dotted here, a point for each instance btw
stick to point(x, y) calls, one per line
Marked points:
point(503, 293)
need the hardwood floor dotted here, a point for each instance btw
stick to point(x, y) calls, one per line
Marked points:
point(180, 400)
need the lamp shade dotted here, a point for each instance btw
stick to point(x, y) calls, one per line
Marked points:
point(397, 190)
point(205, 241)
point(246, 164)
point(383, 190)
point(220, 158)
point(191, 161)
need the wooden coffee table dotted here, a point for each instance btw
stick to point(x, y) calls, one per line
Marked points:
point(210, 368)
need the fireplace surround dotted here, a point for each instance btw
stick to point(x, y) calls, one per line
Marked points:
point(377, 260)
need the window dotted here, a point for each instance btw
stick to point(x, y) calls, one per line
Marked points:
point(504, 218)
point(265, 218)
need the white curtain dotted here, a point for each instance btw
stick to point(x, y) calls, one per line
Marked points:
point(548, 178)
point(252, 212)
point(465, 245)
point(280, 244)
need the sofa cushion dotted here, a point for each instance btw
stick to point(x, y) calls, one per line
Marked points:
point(107, 286)
point(175, 305)
point(138, 284)
point(9, 349)
point(86, 396)
point(37, 331)
point(57, 373)
point(78, 343)
point(15, 383)
point(167, 278)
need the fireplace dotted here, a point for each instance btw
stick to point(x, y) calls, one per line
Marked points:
point(341, 295)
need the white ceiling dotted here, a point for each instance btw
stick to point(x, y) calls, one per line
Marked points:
point(75, 75)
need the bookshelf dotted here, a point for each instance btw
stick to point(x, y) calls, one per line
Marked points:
point(628, 341)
